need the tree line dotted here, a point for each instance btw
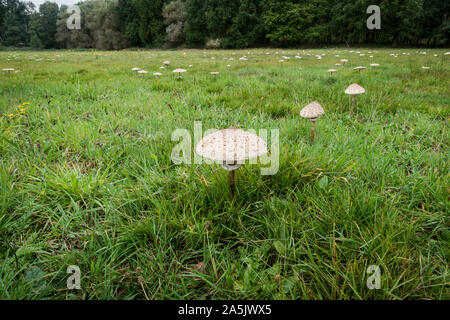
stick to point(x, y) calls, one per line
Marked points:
point(118, 24)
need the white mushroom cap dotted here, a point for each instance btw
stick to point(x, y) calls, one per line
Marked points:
point(8, 69)
point(447, 53)
point(135, 69)
point(312, 111)
point(331, 70)
point(166, 62)
point(354, 89)
point(426, 68)
point(179, 70)
point(142, 71)
point(214, 72)
point(359, 68)
point(344, 60)
point(231, 145)
point(157, 74)
point(374, 65)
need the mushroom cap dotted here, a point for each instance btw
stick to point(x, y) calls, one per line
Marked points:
point(344, 60)
point(142, 71)
point(135, 69)
point(354, 89)
point(359, 68)
point(331, 70)
point(166, 62)
point(231, 144)
point(179, 70)
point(426, 68)
point(312, 111)
point(447, 53)
point(8, 69)
point(374, 65)
point(214, 72)
point(157, 74)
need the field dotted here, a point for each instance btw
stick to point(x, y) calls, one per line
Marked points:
point(86, 176)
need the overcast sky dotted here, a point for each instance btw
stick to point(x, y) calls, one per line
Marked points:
point(59, 2)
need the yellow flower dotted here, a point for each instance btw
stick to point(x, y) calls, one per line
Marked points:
point(25, 103)
point(11, 115)
point(22, 111)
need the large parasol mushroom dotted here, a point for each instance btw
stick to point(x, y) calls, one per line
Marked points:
point(312, 112)
point(232, 147)
point(353, 90)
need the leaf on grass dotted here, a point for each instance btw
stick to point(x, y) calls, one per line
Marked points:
point(279, 246)
point(323, 183)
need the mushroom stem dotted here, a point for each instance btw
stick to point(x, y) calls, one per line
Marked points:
point(231, 178)
point(353, 103)
point(313, 130)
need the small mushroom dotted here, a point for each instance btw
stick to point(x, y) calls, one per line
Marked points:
point(426, 68)
point(179, 71)
point(374, 65)
point(143, 72)
point(166, 63)
point(157, 74)
point(359, 69)
point(344, 61)
point(312, 112)
point(215, 73)
point(331, 71)
point(353, 90)
point(8, 70)
point(135, 69)
point(232, 147)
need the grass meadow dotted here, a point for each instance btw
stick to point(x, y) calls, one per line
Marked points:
point(86, 176)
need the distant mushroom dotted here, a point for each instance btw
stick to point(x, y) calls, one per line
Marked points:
point(312, 112)
point(232, 147)
point(359, 68)
point(426, 68)
point(142, 72)
point(215, 73)
point(331, 71)
point(8, 70)
point(353, 90)
point(179, 71)
point(374, 65)
point(157, 74)
point(135, 69)
point(166, 63)
point(344, 61)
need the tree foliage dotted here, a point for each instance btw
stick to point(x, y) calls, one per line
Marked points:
point(114, 24)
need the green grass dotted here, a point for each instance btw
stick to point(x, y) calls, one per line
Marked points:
point(86, 177)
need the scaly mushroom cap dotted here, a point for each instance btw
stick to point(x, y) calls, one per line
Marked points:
point(312, 111)
point(231, 145)
point(354, 89)
point(179, 70)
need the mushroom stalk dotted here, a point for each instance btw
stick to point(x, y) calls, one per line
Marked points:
point(231, 179)
point(313, 130)
point(353, 103)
